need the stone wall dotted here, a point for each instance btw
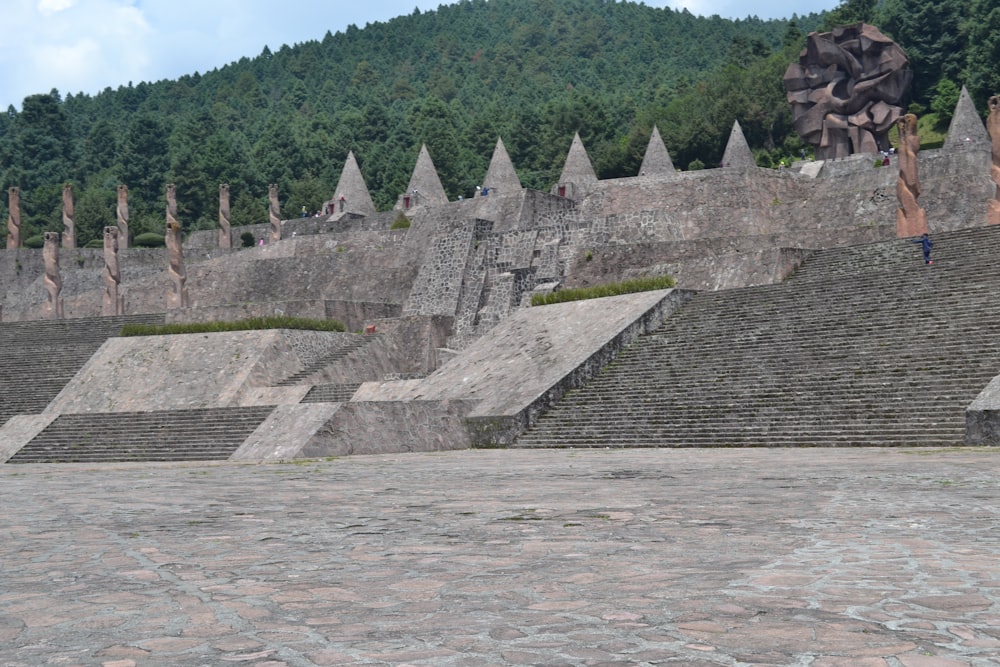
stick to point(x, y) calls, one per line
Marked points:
point(477, 260)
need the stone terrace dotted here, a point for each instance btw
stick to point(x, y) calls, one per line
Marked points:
point(826, 558)
point(863, 346)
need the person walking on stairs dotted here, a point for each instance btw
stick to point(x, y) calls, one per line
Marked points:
point(926, 244)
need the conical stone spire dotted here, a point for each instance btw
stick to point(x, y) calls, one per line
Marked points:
point(966, 128)
point(501, 175)
point(578, 168)
point(424, 181)
point(657, 160)
point(738, 152)
point(351, 195)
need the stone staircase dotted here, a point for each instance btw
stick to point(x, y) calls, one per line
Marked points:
point(862, 346)
point(204, 434)
point(352, 344)
point(40, 357)
point(331, 393)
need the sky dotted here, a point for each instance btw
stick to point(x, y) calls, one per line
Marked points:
point(84, 46)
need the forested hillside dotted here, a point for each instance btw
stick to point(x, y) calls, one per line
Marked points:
point(533, 72)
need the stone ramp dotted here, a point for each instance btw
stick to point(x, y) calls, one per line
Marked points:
point(204, 434)
point(864, 346)
point(514, 372)
point(41, 357)
point(184, 371)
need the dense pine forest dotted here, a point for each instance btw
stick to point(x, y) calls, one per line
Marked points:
point(532, 72)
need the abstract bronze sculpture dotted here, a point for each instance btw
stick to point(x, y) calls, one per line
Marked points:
point(845, 89)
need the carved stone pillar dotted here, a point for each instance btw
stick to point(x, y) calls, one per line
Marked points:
point(274, 212)
point(114, 299)
point(14, 218)
point(68, 215)
point(52, 279)
point(225, 218)
point(993, 127)
point(178, 296)
point(123, 216)
point(911, 220)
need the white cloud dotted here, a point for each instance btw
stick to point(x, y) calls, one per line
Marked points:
point(49, 7)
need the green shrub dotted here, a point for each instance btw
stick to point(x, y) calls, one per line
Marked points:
point(611, 289)
point(37, 241)
point(401, 222)
point(94, 243)
point(254, 323)
point(246, 238)
point(149, 240)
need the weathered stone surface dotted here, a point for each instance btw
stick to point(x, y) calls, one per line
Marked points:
point(425, 188)
point(68, 218)
point(586, 557)
point(532, 358)
point(225, 218)
point(178, 296)
point(993, 126)
point(845, 89)
point(19, 430)
point(273, 213)
point(578, 172)
point(738, 153)
point(123, 217)
point(386, 427)
point(966, 130)
point(205, 370)
point(53, 278)
point(13, 218)
point(113, 298)
point(656, 160)
point(501, 178)
point(351, 194)
point(911, 219)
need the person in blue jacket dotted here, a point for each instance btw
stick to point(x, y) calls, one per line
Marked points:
point(926, 244)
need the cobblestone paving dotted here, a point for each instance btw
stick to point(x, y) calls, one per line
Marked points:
point(826, 558)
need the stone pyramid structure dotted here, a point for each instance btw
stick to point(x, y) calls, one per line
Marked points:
point(657, 160)
point(425, 186)
point(578, 168)
point(500, 176)
point(966, 128)
point(738, 153)
point(351, 195)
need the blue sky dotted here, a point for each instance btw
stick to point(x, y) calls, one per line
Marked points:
point(83, 46)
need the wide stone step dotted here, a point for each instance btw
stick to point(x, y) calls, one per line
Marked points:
point(862, 345)
point(172, 435)
point(41, 357)
point(331, 393)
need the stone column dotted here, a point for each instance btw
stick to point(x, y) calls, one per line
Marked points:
point(274, 212)
point(68, 215)
point(123, 216)
point(178, 296)
point(14, 218)
point(114, 300)
point(225, 219)
point(911, 220)
point(52, 279)
point(993, 127)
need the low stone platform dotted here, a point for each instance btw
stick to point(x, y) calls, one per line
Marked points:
point(820, 557)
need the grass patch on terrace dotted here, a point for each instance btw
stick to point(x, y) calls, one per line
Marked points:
point(254, 323)
point(610, 289)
